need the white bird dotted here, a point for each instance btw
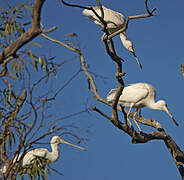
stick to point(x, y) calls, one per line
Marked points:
point(49, 157)
point(115, 21)
point(139, 95)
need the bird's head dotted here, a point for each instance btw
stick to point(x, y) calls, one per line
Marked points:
point(128, 45)
point(55, 140)
point(162, 105)
point(58, 140)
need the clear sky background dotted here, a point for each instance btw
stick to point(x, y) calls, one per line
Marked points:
point(158, 43)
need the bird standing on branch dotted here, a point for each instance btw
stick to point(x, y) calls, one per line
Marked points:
point(139, 95)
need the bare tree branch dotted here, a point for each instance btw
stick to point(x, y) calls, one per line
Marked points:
point(182, 69)
point(58, 42)
point(177, 154)
point(149, 14)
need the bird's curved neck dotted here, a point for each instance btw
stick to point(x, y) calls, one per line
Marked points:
point(55, 152)
point(154, 105)
point(123, 37)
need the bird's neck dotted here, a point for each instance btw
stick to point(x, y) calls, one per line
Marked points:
point(123, 38)
point(55, 152)
point(154, 105)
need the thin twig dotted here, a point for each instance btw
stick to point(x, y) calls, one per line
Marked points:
point(58, 42)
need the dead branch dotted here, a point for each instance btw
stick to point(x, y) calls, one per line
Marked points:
point(177, 154)
point(74, 5)
point(148, 14)
point(182, 69)
point(175, 151)
point(58, 42)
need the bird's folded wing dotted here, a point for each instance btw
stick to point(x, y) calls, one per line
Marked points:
point(39, 152)
point(133, 94)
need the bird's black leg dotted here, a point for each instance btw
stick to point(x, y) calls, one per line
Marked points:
point(139, 112)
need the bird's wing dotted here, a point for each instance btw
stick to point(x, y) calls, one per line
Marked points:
point(31, 155)
point(114, 19)
point(92, 16)
point(40, 152)
point(111, 94)
point(133, 93)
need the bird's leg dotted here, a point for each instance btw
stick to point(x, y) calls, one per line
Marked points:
point(129, 121)
point(136, 121)
point(128, 116)
point(103, 37)
point(139, 112)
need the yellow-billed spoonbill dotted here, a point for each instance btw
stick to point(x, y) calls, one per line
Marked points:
point(139, 95)
point(49, 157)
point(115, 21)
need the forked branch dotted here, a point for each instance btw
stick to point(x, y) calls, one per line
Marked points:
point(175, 151)
point(148, 14)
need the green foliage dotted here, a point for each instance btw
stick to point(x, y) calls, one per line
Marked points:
point(13, 22)
point(15, 121)
point(39, 167)
point(11, 104)
point(17, 67)
point(11, 26)
point(36, 169)
point(37, 63)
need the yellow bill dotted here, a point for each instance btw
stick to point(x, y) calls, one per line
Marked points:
point(65, 142)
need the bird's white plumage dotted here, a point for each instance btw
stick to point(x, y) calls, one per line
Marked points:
point(136, 94)
point(49, 157)
point(43, 153)
point(139, 95)
point(115, 21)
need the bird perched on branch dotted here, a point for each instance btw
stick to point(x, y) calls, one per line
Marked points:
point(115, 21)
point(139, 95)
point(49, 157)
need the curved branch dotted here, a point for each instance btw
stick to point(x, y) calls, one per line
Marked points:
point(149, 14)
point(147, 9)
point(75, 5)
point(101, 18)
point(177, 154)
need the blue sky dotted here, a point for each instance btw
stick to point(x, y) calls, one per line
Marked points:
point(158, 43)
